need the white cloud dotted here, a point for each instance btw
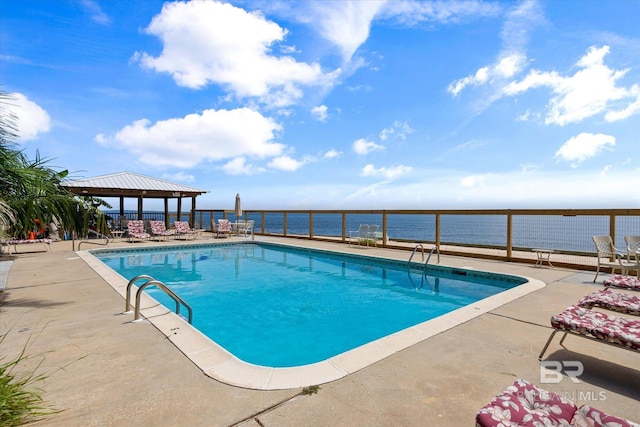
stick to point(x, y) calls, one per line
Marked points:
point(344, 23)
point(320, 113)
point(30, 119)
point(512, 58)
point(590, 91)
point(629, 110)
point(362, 146)
point(412, 13)
point(97, 14)
point(213, 135)
point(208, 42)
point(332, 154)
point(286, 163)
point(583, 146)
point(399, 129)
point(179, 176)
point(473, 181)
point(239, 166)
point(101, 139)
point(387, 173)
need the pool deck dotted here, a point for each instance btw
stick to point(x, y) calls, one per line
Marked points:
point(104, 369)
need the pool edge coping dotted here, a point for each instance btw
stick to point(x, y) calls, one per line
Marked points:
point(218, 363)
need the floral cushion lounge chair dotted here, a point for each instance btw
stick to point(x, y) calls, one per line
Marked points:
point(222, 228)
point(15, 242)
point(524, 404)
point(159, 230)
point(135, 230)
point(622, 282)
point(597, 326)
point(184, 230)
point(615, 301)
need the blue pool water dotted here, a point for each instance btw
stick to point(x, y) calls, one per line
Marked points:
point(279, 306)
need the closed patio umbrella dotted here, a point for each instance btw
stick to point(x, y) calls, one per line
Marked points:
point(238, 209)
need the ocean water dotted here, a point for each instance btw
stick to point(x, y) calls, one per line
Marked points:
point(560, 233)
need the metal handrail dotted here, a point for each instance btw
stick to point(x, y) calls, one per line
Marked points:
point(162, 286)
point(168, 291)
point(131, 282)
point(436, 249)
point(419, 245)
point(99, 235)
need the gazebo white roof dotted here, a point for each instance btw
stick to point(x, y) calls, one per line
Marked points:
point(130, 184)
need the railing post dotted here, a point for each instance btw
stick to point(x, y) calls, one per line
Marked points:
point(284, 224)
point(384, 228)
point(344, 226)
point(509, 235)
point(612, 228)
point(438, 229)
point(310, 225)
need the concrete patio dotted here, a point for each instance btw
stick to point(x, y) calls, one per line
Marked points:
point(105, 370)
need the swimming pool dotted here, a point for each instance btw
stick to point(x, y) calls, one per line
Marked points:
point(283, 307)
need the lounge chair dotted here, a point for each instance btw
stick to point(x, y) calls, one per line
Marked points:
point(524, 404)
point(597, 326)
point(622, 282)
point(615, 301)
point(135, 230)
point(608, 256)
point(16, 242)
point(222, 228)
point(159, 230)
point(184, 230)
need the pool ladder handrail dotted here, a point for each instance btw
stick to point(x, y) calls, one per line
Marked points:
point(98, 235)
point(419, 245)
point(433, 249)
point(151, 281)
point(436, 249)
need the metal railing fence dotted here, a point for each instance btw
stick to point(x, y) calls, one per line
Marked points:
point(508, 234)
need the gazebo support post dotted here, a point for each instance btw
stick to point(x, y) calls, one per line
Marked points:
point(140, 207)
point(193, 212)
point(166, 213)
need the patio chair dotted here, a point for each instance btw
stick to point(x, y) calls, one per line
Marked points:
point(615, 301)
point(372, 235)
point(183, 230)
point(633, 248)
point(524, 404)
point(608, 256)
point(360, 235)
point(159, 230)
point(135, 230)
point(618, 331)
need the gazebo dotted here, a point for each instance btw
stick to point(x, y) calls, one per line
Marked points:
point(133, 185)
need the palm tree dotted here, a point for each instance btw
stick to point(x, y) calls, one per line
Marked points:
point(30, 190)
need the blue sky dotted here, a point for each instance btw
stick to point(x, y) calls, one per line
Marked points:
point(336, 104)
